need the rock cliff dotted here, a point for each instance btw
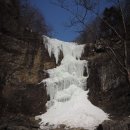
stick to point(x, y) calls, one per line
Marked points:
point(22, 96)
point(21, 70)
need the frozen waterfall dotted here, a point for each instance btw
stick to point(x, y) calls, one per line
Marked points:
point(69, 104)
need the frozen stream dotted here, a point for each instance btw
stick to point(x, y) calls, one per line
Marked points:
point(66, 85)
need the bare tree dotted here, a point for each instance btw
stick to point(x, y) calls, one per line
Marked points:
point(90, 33)
point(79, 10)
point(32, 19)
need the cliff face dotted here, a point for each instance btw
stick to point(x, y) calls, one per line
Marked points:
point(109, 90)
point(21, 69)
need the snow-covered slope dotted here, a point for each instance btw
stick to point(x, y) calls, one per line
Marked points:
point(69, 104)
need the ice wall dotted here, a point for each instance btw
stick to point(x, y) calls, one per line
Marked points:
point(66, 87)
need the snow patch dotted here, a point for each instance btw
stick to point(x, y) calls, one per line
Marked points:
point(78, 112)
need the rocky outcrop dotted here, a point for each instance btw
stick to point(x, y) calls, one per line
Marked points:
point(109, 90)
point(21, 71)
point(22, 97)
point(108, 87)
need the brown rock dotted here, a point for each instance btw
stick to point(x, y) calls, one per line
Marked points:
point(21, 70)
point(108, 87)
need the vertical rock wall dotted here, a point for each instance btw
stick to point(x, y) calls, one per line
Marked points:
point(108, 86)
point(21, 69)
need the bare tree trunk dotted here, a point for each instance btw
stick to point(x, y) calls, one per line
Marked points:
point(125, 43)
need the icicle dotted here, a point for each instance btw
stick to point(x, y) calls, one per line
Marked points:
point(71, 70)
point(55, 46)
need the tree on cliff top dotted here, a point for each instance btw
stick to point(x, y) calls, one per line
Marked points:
point(19, 19)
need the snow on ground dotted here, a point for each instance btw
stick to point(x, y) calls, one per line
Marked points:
point(69, 104)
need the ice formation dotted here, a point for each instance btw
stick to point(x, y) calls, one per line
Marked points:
point(68, 103)
point(55, 46)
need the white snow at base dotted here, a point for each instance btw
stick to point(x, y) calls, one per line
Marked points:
point(69, 104)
